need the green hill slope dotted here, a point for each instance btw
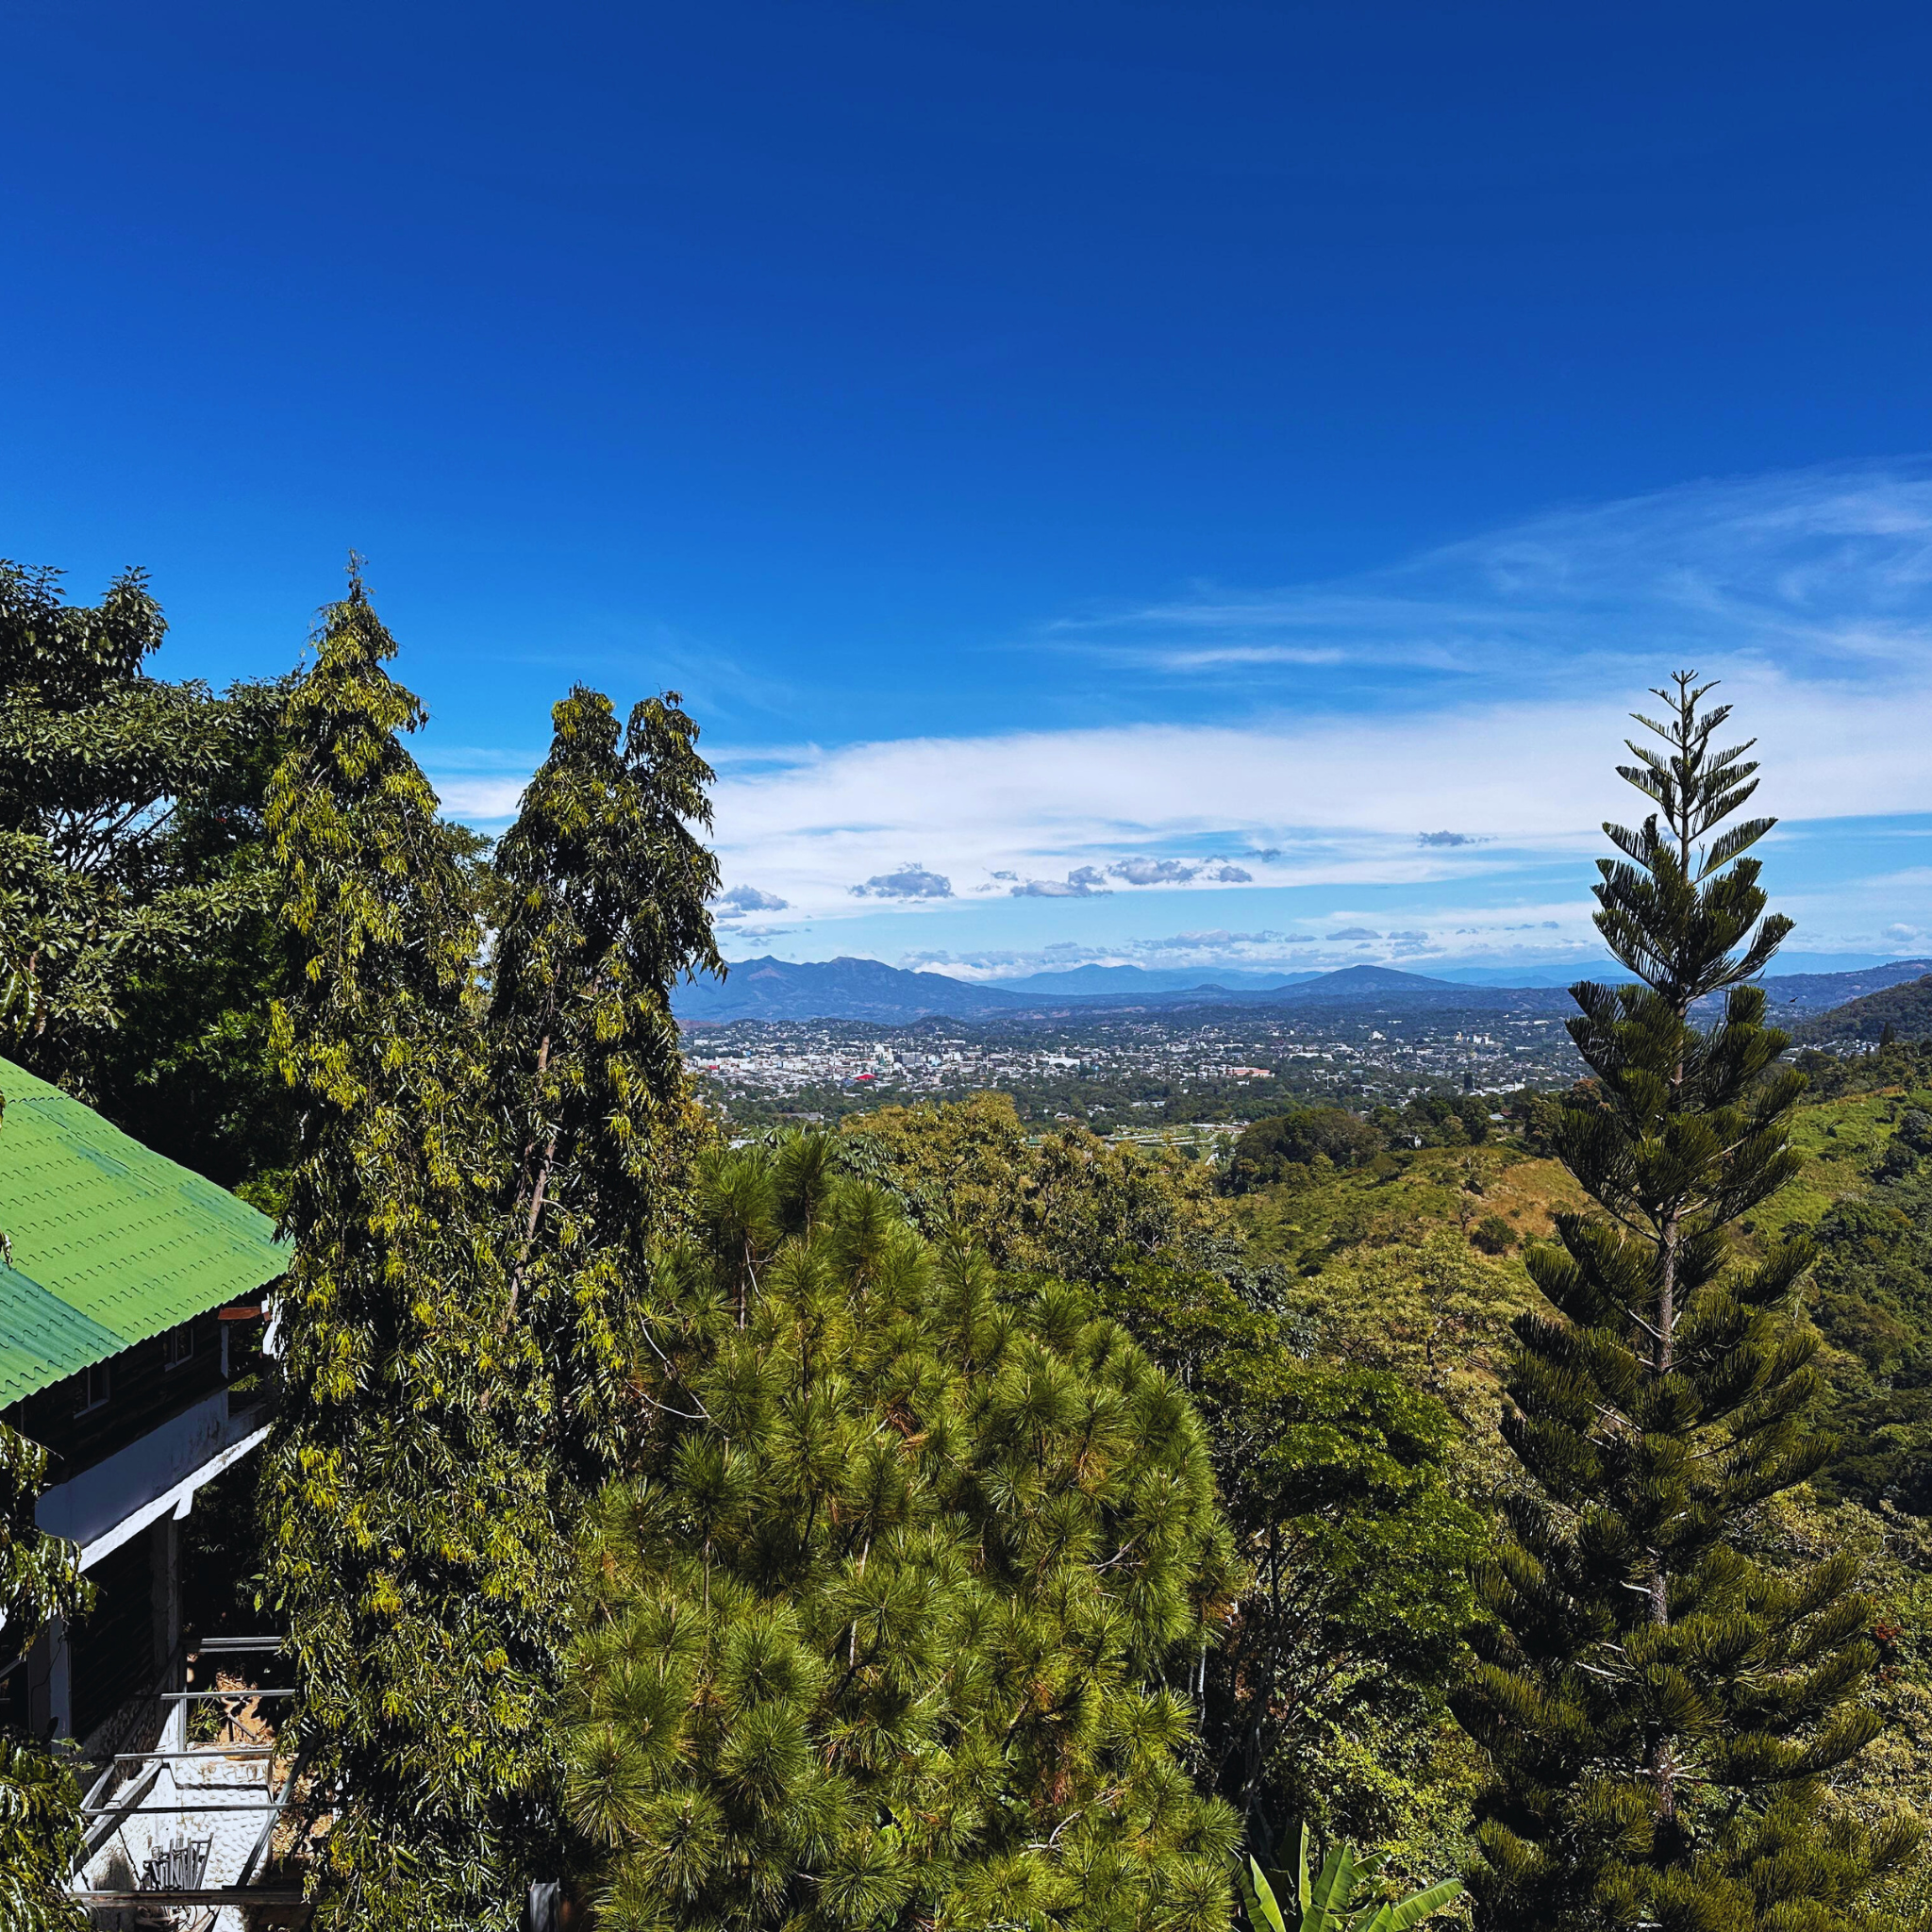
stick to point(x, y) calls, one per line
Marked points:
point(1906, 1009)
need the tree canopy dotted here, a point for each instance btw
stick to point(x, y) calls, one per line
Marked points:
point(893, 1624)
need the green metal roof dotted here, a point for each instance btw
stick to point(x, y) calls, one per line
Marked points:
point(112, 1242)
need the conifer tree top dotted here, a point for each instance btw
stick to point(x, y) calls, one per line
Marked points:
point(1670, 912)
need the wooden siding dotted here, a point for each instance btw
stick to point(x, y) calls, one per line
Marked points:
point(113, 1645)
point(147, 1392)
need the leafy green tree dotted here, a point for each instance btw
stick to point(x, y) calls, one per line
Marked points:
point(1327, 1692)
point(1661, 1710)
point(1494, 1235)
point(39, 1800)
point(1326, 1698)
point(138, 944)
point(188, 1070)
point(1075, 1205)
point(1278, 1149)
point(599, 893)
point(413, 1544)
point(40, 1833)
point(879, 1633)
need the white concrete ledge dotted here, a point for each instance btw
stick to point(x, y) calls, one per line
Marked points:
point(155, 1476)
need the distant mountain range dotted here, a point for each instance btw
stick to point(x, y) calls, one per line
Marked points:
point(772, 988)
point(845, 989)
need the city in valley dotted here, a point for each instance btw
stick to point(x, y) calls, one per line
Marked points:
point(1123, 1072)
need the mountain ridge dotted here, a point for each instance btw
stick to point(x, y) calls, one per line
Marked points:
point(769, 989)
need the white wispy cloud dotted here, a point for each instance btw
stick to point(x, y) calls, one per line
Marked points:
point(1340, 801)
point(1820, 572)
point(1479, 687)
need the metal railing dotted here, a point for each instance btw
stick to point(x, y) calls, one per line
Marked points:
point(176, 1874)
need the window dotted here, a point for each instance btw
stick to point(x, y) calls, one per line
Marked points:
point(179, 1346)
point(93, 1385)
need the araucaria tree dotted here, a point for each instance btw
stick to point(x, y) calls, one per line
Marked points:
point(1661, 1712)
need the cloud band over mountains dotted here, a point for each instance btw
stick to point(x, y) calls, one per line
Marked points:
point(1453, 718)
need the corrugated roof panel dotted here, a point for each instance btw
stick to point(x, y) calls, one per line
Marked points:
point(126, 1241)
point(42, 1339)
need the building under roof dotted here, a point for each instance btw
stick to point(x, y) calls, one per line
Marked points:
point(106, 1243)
point(116, 1267)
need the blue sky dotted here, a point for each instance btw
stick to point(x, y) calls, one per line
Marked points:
point(1069, 455)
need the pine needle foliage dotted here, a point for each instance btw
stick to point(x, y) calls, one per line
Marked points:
point(600, 891)
point(1661, 1713)
point(412, 1546)
point(876, 1635)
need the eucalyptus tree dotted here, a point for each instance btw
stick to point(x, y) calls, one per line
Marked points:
point(411, 1541)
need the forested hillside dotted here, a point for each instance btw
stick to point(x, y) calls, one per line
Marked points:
point(1894, 1012)
point(1351, 1310)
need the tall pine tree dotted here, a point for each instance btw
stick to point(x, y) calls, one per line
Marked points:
point(1661, 1712)
point(881, 1632)
point(412, 1546)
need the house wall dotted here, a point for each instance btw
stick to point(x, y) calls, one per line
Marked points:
point(147, 1392)
point(161, 1432)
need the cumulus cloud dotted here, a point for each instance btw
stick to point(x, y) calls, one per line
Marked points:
point(1441, 838)
point(1354, 932)
point(911, 881)
point(1153, 871)
point(743, 899)
point(1083, 882)
point(1139, 870)
point(1408, 938)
